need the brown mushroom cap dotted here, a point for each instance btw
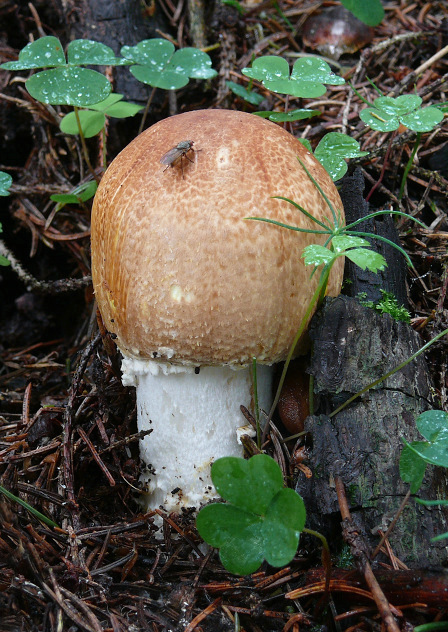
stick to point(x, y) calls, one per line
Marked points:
point(178, 273)
point(335, 31)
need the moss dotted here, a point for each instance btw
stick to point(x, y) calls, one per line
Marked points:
point(387, 304)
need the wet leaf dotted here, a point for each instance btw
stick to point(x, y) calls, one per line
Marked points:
point(5, 183)
point(315, 255)
point(263, 520)
point(84, 52)
point(307, 78)
point(412, 468)
point(292, 115)
point(423, 120)
point(334, 149)
point(248, 95)
point(389, 112)
point(366, 259)
point(158, 65)
point(92, 120)
point(43, 53)
point(71, 85)
point(370, 12)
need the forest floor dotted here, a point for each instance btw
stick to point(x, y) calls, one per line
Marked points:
point(68, 434)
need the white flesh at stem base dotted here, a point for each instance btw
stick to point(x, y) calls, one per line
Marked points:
point(194, 419)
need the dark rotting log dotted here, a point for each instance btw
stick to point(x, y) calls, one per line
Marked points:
point(353, 346)
point(393, 278)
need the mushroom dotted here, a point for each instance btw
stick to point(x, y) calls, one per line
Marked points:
point(335, 32)
point(193, 291)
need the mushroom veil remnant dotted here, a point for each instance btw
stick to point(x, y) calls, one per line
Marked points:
point(193, 291)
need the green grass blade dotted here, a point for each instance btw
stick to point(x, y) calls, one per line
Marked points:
point(296, 228)
point(378, 213)
point(302, 210)
point(28, 507)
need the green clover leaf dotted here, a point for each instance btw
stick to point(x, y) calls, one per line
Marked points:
point(307, 79)
point(433, 425)
point(292, 115)
point(66, 83)
point(371, 12)
point(261, 521)
point(93, 120)
point(412, 467)
point(45, 52)
point(5, 183)
point(254, 98)
point(156, 64)
point(3, 260)
point(389, 112)
point(70, 85)
point(334, 149)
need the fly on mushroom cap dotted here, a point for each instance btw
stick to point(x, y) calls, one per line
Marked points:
point(185, 281)
point(177, 153)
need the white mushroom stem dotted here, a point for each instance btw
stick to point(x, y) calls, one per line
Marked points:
point(195, 418)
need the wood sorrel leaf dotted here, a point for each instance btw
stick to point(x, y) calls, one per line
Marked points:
point(5, 183)
point(370, 12)
point(307, 78)
point(69, 85)
point(157, 65)
point(233, 477)
point(399, 105)
point(433, 425)
point(45, 52)
point(264, 521)
point(423, 120)
point(412, 468)
point(334, 149)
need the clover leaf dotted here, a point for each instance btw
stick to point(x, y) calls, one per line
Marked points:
point(334, 149)
point(292, 115)
point(412, 467)
point(254, 98)
point(5, 183)
point(433, 425)
point(67, 82)
point(3, 260)
point(262, 520)
point(307, 79)
point(388, 113)
point(156, 64)
point(371, 12)
point(80, 194)
point(93, 119)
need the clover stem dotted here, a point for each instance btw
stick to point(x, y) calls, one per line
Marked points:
point(256, 405)
point(326, 555)
point(84, 146)
point(409, 165)
point(145, 113)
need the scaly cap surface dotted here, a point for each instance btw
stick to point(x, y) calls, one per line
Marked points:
point(178, 273)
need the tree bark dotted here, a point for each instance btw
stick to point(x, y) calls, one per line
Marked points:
point(353, 346)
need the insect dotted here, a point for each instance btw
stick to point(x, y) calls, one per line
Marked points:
point(176, 154)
